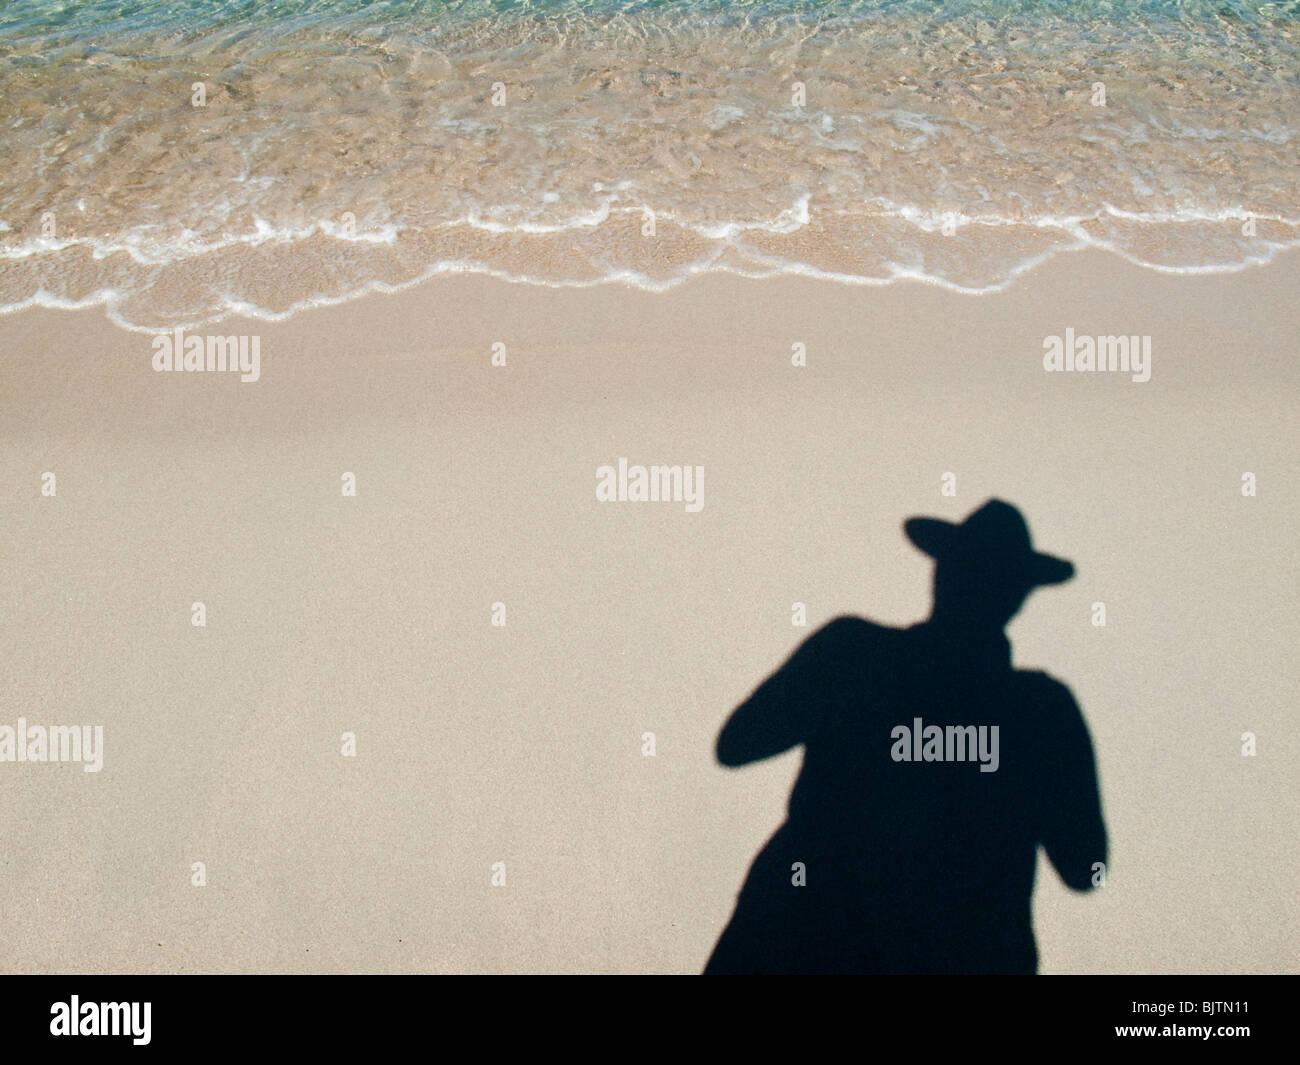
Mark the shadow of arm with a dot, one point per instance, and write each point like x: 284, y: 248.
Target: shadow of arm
x: 1074, y: 832
x: 778, y: 714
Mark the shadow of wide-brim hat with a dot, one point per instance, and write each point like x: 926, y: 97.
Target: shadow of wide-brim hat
x: 994, y: 535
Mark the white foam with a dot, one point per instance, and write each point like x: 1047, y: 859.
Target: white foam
x: 188, y: 245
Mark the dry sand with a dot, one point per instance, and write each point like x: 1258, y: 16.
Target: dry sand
x: 476, y: 484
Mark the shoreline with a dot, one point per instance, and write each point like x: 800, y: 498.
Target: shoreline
x: 667, y: 265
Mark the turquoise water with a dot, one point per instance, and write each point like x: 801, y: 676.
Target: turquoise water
x: 48, y: 23
x: 177, y: 162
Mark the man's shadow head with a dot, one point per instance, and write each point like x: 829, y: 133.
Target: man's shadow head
x: 985, y: 567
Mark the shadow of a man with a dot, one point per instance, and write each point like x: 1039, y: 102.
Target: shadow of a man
x: 932, y: 773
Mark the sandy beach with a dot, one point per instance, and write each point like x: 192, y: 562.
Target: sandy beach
x: 479, y: 743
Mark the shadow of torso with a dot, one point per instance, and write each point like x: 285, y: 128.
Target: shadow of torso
x: 906, y: 864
